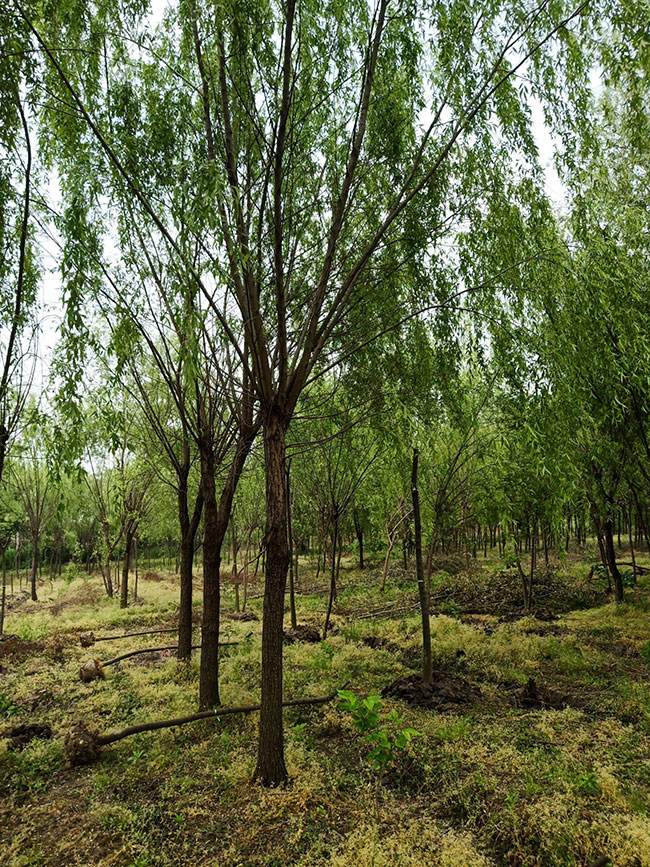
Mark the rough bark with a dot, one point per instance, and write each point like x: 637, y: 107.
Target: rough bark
x: 610, y: 553
x: 427, y: 672
x: 271, y: 769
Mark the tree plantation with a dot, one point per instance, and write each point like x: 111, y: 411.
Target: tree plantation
x: 325, y: 433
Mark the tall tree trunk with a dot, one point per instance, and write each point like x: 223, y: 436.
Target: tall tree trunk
x: 292, y: 590
x: 108, y: 583
x: 427, y: 672
x: 359, y: 531
x: 4, y: 591
x: 215, y: 528
x: 629, y: 530
x: 214, y: 534
x: 34, y: 568
x: 271, y: 769
x: 332, y: 594
x: 185, y: 609
x: 128, y: 544
x: 611, y: 558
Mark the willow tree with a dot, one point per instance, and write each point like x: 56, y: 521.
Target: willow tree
x: 18, y: 261
x: 330, y: 151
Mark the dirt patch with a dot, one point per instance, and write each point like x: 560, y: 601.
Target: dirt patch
x: 376, y: 642
x: 302, y: 632
x: 88, y: 594
x: 456, y: 564
x: 153, y: 576
x: 535, y: 696
x: 20, y: 736
x: 446, y: 692
x: 14, y: 645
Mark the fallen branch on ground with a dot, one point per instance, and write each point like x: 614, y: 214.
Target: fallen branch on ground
x: 83, y: 746
x: 87, y: 639
x: 94, y: 668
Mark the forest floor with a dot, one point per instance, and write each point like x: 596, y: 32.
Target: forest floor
x: 556, y: 775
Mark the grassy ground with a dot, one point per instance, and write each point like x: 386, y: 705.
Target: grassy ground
x: 488, y: 783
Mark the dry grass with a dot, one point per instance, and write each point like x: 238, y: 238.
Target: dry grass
x: 488, y: 785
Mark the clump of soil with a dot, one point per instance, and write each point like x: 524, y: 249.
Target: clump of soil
x: 20, y: 736
x: 444, y: 694
x: 244, y: 616
x: 153, y: 576
x: 80, y: 745
x: 91, y: 670
x: 376, y: 642
x: 302, y: 632
x: 532, y: 695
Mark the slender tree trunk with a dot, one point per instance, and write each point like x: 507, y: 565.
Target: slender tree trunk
x: 214, y: 534
x: 124, y: 591
x: 271, y: 769
x: 215, y: 528
x: 185, y: 609
x: 332, y: 594
x: 34, y: 568
x: 4, y: 591
x: 359, y: 531
x: 292, y: 591
x: 611, y: 559
x: 629, y: 530
x: 135, y: 555
x: 427, y: 672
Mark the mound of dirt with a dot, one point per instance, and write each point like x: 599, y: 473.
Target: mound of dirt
x: 15, y: 645
x: 152, y: 576
x: 88, y: 594
x: 376, y: 642
x: 455, y: 564
x: 244, y: 616
x: 445, y: 694
x: 302, y: 632
x: 532, y: 695
x: 20, y: 736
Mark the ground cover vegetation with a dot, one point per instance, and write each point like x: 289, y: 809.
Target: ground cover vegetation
x: 325, y: 523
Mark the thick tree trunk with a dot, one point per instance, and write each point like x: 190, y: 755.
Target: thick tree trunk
x: 427, y: 672
x: 271, y: 769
